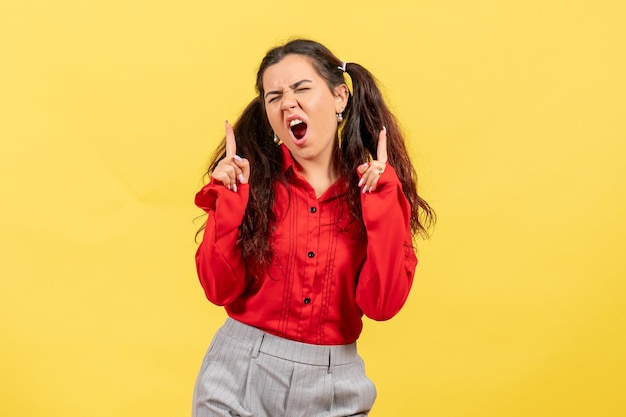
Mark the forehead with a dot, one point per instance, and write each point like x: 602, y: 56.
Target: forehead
x: 288, y: 71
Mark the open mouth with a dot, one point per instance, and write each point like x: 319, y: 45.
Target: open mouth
x: 298, y: 128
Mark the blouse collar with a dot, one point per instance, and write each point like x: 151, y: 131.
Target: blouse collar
x: 338, y: 188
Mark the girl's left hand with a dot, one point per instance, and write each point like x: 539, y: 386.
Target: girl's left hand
x: 371, y: 171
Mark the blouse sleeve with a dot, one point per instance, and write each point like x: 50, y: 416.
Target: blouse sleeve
x: 219, y: 261
x: 387, y: 274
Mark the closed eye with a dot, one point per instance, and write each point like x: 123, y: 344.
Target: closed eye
x: 296, y: 88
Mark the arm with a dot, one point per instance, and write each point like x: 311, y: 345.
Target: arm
x: 387, y: 274
x: 219, y: 261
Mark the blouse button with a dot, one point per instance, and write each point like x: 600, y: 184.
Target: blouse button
x: 311, y: 254
x: 312, y: 209
x: 307, y: 300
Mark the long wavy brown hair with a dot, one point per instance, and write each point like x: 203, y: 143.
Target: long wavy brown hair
x: 364, y: 116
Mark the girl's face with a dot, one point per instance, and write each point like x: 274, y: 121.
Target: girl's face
x: 302, y: 109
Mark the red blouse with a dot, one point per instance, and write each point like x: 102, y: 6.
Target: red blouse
x: 324, y: 276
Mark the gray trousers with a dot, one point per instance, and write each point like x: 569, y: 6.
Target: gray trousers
x: 247, y: 372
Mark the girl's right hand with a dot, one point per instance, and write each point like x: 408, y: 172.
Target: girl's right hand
x: 232, y: 168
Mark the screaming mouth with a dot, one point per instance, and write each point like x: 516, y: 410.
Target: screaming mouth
x: 298, y: 128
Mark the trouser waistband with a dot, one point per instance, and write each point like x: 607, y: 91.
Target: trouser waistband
x: 263, y: 342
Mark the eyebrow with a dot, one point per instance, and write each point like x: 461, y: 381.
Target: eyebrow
x: 292, y: 86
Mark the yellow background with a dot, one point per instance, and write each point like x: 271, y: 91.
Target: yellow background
x: 516, y: 116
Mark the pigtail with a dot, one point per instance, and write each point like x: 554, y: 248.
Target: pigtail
x: 365, y: 116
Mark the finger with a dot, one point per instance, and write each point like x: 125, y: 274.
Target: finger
x: 226, y: 178
x: 231, y: 144
x: 226, y: 174
x: 244, y: 169
x: 366, y: 181
x: 381, y: 151
x: 238, y: 172
x: 373, y: 185
x: 370, y: 183
x: 365, y: 171
x: 369, y: 179
x: 222, y: 178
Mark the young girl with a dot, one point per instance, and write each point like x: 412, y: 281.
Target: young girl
x: 312, y: 210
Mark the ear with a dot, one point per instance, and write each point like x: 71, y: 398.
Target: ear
x: 341, y: 98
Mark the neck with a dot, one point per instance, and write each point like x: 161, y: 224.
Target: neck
x: 321, y: 175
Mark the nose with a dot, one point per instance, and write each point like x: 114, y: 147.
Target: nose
x: 288, y: 101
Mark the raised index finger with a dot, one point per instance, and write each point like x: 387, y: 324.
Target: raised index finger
x: 381, y: 151
x: 231, y: 144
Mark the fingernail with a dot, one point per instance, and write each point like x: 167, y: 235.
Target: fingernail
x: 238, y: 158
x: 235, y: 187
x: 228, y: 186
x: 361, y: 181
x: 385, y: 129
x: 364, y: 189
x: 241, y: 178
